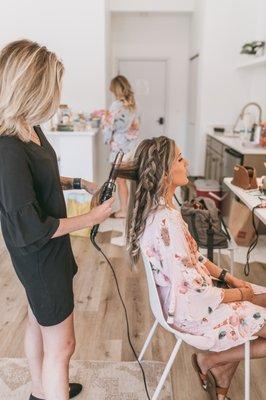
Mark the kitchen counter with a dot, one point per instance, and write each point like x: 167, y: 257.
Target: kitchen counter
x: 235, y: 143
x: 248, y: 198
x: 66, y: 134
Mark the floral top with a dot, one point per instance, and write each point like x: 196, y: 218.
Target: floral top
x: 189, y: 299
x: 120, y: 128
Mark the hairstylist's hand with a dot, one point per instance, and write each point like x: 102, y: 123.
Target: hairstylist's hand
x: 101, y: 212
x: 90, y: 187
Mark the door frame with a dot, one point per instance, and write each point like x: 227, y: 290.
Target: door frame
x: 151, y: 59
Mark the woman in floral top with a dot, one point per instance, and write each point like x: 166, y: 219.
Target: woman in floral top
x: 191, y: 303
x: 121, y: 130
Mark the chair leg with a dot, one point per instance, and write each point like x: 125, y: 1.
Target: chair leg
x: 167, y: 369
x: 247, y: 370
x: 146, y: 344
x: 232, y: 261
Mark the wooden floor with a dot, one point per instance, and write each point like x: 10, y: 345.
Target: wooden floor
x: 99, y: 320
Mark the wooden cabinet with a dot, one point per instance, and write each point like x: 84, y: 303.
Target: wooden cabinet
x: 214, y: 160
x: 221, y: 159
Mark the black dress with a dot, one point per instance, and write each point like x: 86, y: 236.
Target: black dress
x: 31, y: 204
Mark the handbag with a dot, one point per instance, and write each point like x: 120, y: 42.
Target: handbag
x: 245, y: 177
x: 205, y: 224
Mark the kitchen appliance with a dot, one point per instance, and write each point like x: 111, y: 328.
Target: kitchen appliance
x: 231, y: 158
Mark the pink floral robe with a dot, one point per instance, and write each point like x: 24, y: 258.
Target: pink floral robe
x: 189, y: 299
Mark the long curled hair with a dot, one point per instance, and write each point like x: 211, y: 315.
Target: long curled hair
x: 149, y: 173
x: 122, y: 90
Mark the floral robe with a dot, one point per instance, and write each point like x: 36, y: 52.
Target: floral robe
x: 189, y: 299
x: 120, y: 129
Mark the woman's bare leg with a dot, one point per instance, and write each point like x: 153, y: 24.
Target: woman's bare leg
x: 224, y: 374
x: 123, y: 197
x: 59, y: 345
x: 221, y: 364
x: 34, y: 353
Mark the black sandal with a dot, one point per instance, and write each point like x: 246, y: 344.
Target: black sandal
x: 74, y: 390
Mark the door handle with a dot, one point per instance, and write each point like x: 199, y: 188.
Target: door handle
x: 233, y: 152
x: 160, y: 121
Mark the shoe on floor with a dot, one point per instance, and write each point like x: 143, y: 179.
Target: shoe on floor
x: 74, y: 390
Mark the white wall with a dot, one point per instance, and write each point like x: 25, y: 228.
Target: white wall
x: 258, y: 75
x: 75, y: 31
x: 158, y: 36
x: 196, y: 28
x: 223, y: 89
x: 153, y: 5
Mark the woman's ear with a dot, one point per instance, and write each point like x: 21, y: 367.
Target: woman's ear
x: 166, y: 179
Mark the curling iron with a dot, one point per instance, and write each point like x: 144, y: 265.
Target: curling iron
x: 108, y: 188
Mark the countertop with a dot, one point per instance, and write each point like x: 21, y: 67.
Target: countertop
x: 248, y: 197
x: 235, y: 143
x: 91, y: 132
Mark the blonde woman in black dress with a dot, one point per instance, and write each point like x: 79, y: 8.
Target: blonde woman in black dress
x: 33, y: 214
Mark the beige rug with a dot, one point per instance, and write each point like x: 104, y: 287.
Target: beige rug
x: 101, y: 380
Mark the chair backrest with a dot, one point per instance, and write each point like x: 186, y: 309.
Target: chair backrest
x: 155, y: 302
x: 201, y: 342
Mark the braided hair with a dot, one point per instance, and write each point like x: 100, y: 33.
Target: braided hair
x: 151, y: 165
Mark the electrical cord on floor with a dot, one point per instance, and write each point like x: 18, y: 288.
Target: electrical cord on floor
x: 125, y: 310
x: 253, y: 243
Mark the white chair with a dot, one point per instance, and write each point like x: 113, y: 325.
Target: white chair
x: 204, y: 342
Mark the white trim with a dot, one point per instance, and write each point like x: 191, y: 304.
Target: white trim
x: 159, y: 6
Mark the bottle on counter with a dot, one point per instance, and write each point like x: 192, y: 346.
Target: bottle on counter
x: 263, y: 134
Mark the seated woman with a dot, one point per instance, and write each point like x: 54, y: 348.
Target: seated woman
x: 191, y: 303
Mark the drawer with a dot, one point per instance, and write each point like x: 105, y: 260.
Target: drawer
x: 217, y: 146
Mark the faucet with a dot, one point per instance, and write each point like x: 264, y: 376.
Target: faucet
x: 241, y: 115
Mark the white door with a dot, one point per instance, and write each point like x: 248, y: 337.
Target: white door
x: 148, y: 80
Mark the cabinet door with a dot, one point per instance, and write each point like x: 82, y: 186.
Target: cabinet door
x: 208, y: 163
x: 76, y: 157
x: 219, y: 169
x: 213, y: 167
x: 217, y: 146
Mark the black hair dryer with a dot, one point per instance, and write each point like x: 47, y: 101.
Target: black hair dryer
x: 108, y: 188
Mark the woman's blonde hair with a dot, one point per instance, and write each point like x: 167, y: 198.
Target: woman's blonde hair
x: 122, y: 90
x: 149, y: 173
x: 30, y: 87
